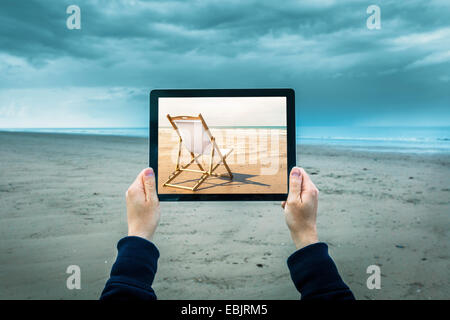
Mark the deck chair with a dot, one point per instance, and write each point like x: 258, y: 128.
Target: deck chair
x: 195, y: 136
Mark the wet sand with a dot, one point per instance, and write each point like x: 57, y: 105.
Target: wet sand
x: 62, y: 203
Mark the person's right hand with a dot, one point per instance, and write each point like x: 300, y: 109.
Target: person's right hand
x: 143, y: 205
x: 300, y: 208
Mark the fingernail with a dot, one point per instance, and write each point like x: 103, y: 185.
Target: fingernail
x: 149, y: 172
x: 296, y: 172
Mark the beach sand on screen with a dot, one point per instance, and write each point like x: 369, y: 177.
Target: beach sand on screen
x: 258, y: 162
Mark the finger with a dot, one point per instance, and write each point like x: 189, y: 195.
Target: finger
x: 309, y: 189
x: 138, y: 183
x: 295, y: 184
x: 148, y: 179
x: 137, y: 187
x: 307, y: 182
x: 283, y: 204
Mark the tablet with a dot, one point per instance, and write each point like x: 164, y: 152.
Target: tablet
x: 222, y: 144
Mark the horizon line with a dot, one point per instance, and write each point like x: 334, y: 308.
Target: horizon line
x: 298, y: 125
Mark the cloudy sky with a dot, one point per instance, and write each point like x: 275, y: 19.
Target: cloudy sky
x: 342, y: 72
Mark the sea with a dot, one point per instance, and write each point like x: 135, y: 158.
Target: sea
x: 424, y: 140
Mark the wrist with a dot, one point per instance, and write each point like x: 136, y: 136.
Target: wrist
x: 140, y: 234
x: 303, y: 239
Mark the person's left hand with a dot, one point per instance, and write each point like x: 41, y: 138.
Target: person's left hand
x: 143, y: 205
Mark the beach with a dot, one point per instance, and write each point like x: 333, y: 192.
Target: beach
x: 258, y: 162
x: 62, y: 203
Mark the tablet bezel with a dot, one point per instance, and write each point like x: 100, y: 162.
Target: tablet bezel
x: 187, y: 93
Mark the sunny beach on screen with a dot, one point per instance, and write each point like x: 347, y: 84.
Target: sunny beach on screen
x: 251, y: 129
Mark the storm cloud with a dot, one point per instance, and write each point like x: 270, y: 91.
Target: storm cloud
x: 343, y: 73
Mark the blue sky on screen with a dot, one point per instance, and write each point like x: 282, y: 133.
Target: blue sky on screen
x: 344, y: 74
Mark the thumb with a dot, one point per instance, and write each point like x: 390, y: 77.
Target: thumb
x: 295, y: 184
x: 149, y: 184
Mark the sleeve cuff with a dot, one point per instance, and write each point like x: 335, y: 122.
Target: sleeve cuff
x: 136, y: 262
x: 313, y: 271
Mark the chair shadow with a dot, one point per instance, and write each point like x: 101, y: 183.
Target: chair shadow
x: 238, y: 180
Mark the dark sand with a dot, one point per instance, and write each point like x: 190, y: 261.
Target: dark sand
x: 62, y: 203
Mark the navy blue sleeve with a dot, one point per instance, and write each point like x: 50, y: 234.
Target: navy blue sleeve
x: 133, y: 272
x: 315, y: 275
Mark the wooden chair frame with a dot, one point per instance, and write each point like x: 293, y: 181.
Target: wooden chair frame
x: 194, y: 158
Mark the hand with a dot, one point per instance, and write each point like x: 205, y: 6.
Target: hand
x: 300, y: 208
x: 143, y: 205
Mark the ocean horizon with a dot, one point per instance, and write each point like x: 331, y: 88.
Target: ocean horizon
x: 376, y: 139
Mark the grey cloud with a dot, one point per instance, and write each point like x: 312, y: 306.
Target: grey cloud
x: 321, y: 48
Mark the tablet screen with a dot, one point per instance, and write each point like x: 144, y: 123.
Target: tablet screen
x: 222, y: 145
